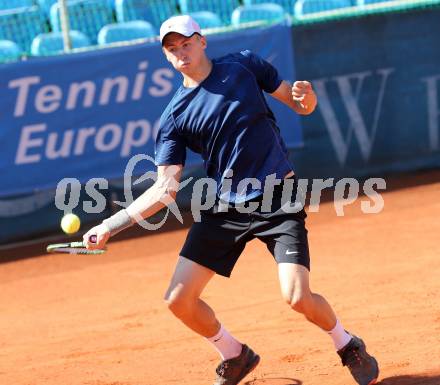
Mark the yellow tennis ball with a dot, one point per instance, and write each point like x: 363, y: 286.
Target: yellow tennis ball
x: 70, y: 223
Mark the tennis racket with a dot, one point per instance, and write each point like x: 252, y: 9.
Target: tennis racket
x: 73, y: 248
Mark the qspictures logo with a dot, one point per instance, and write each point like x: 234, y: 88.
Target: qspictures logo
x: 205, y: 193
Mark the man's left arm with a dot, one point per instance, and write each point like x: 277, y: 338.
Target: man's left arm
x: 300, y: 97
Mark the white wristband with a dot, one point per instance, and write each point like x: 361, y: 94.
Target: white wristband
x: 118, y: 222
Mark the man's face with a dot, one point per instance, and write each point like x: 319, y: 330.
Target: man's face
x: 184, y: 53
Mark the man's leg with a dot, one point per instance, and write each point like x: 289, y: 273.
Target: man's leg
x: 183, y: 299
x: 294, y: 281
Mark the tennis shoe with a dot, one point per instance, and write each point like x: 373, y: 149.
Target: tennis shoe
x: 362, y: 366
x: 233, y: 370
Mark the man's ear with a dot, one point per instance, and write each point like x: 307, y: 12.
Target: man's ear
x: 203, y: 41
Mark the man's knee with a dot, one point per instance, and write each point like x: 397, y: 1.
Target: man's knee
x: 179, y: 301
x: 298, y: 301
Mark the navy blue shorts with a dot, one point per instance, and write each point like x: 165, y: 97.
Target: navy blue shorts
x: 217, y: 241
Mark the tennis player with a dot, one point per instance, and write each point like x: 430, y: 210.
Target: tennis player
x: 220, y: 112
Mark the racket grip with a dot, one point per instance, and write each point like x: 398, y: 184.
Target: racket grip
x: 93, y: 239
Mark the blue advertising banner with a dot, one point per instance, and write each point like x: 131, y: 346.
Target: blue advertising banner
x: 84, y: 115
x: 378, y: 84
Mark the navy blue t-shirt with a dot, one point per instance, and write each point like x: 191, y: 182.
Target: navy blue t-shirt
x: 227, y: 120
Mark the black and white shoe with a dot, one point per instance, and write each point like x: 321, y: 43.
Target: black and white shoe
x: 232, y: 371
x: 362, y: 366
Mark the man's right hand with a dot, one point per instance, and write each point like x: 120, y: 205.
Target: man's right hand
x: 100, y: 234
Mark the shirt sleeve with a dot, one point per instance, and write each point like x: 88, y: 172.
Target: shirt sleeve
x: 170, y: 145
x: 266, y: 74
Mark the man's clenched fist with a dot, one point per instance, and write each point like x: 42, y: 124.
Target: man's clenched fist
x: 304, y: 96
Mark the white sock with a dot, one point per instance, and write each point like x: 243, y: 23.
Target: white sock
x: 339, y: 336
x: 226, y: 345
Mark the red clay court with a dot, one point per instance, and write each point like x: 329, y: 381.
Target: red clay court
x: 101, y: 320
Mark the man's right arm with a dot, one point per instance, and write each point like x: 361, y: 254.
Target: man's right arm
x: 159, y: 195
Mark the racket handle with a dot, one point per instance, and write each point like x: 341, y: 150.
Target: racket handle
x: 93, y: 239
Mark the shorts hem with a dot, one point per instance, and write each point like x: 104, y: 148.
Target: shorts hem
x: 204, y: 263
x: 295, y: 262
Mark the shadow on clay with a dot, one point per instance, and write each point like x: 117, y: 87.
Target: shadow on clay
x: 274, y: 381
x: 411, y: 380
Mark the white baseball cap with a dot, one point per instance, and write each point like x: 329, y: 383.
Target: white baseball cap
x: 184, y: 25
